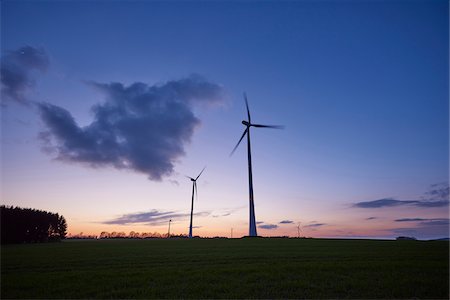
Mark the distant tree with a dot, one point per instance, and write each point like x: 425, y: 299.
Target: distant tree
x: 133, y: 235
x: 105, y: 235
x: 82, y: 236
x: 406, y: 238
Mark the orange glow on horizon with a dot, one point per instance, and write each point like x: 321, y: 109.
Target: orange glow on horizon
x: 290, y: 230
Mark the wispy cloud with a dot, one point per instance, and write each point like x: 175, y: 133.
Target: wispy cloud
x: 409, y: 220
x: 436, y: 222
x: 389, y: 202
x: 140, y: 127
x: 16, y: 68
x: 174, y: 182
x: 315, y: 225
x: 226, y: 212
x: 439, y: 191
x: 153, y: 217
x: 425, y: 221
x: 268, y: 226
x: 437, y: 196
x: 371, y: 218
x: 438, y: 203
x: 286, y: 222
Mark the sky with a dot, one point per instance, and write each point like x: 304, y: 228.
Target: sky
x: 107, y: 106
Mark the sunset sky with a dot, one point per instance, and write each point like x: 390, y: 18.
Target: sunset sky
x: 108, y: 105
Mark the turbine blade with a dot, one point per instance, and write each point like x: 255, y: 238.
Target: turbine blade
x: 235, y: 147
x: 268, y: 126
x: 246, y: 104
x: 189, y: 177
x: 200, y: 173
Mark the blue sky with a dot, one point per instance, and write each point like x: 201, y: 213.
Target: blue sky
x: 361, y: 86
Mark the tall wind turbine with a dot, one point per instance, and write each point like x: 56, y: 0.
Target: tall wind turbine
x: 194, y: 191
x: 248, y: 124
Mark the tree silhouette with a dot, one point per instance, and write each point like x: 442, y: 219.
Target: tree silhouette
x: 62, y: 227
x: 27, y: 225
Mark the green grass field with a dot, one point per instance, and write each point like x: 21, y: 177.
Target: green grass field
x: 221, y: 268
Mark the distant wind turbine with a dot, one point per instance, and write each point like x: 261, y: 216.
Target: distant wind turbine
x: 299, y: 229
x: 168, y: 232
x: 248, y: 124
x: 194, y: 191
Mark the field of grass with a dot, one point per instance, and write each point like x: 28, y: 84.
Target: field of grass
x: 223, y: 268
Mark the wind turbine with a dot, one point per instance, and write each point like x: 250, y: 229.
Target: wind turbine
x: 168, y: 232
x: 299, y: 229
x: 194, y: 190
x: 248, y: 124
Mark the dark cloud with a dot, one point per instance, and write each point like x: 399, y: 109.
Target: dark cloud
x: 153, y: 217
x: 387, y: 202
x: 436, y: 196
x: 315, y: 225
x: 371, y: 218
x: 260, y: 222
x: 16, y: 70
x: 426, y: 222
x: 268, y: 226
x: 139, y: 127
x: 286, y: 222
x: 409, y: 220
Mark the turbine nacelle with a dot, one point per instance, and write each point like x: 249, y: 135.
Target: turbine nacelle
x: 249, y: 124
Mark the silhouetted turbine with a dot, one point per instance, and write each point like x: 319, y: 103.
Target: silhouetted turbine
x: 194, y: 191
x: 299, y: 229
x: 248, y: 124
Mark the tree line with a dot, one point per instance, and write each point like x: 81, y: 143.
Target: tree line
x: 27, y: 225
x: 123, y: 235
x: 137, y: 235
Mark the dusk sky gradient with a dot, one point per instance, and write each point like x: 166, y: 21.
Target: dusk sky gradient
x: 107, y: 105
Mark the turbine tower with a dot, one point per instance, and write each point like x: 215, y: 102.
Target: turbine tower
x: 194, y: 191
x: 248, y: 124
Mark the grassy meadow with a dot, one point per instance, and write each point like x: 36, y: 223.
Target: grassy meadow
x: 226, y: 268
